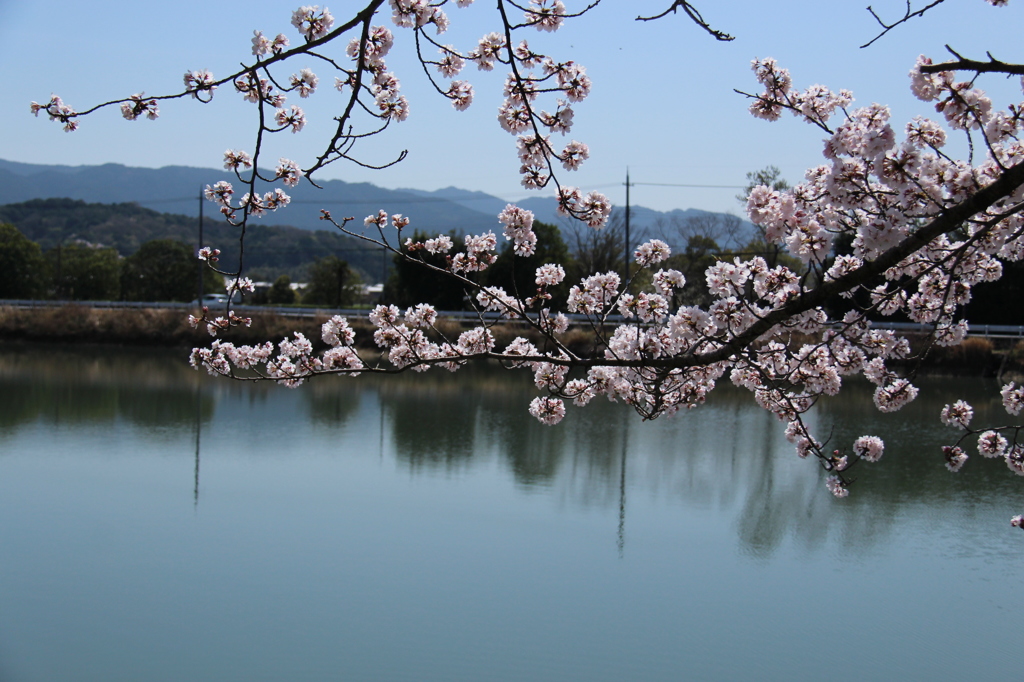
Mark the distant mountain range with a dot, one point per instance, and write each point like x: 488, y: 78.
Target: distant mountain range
x: 176, y: 189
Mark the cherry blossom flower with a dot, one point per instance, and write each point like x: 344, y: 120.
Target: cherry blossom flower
x: 220, y: 193
x: 461, y: 94
x: 546, y: 15
x: 548, y: 411
x: 293, y: 117
x: 869, y: 448
x: 289, y: 172
x: 139, y: 106
x: 1015, y: 459
x: 955, y: 457
x: 336, y: 332
x: 550, y: 274
x: 836, y: 486
x: 958, y: 414
x: 239, y: 284
x: 1013, y: 398
x: 311, y: 22
x: 200, y: 83
x: 488, y: 51
x: 991, y: 444
x: 450, y: 64
x: 305, y: 82
x: 652, y: 252
x: 574, y: 154
x: 58, y: 111
x: 233, y: 160
x: 439, y: 244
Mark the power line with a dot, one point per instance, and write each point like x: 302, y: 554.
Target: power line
x: 669, y: 184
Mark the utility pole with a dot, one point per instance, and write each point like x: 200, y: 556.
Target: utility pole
x: 383, y: 266
x: 202, y: 264
x: 625, y: 262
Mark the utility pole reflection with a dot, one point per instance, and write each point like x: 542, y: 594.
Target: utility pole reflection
x: 199, y: 430
x: 622, y: 488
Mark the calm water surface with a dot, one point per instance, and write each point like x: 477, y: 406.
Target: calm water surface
x: 156, y: 524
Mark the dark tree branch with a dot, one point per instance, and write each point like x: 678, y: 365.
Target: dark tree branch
x: 993, y: 65
x: 910, y: 14
x: 694, y: 15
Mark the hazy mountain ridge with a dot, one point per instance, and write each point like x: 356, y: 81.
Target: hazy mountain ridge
x: 176, y: 189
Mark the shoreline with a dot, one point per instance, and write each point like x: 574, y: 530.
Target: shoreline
x: 168, y: 327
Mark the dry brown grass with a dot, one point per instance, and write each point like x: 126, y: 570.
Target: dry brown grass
x: 98, y: 325
x: 169, y: 327
x: 975, y: 356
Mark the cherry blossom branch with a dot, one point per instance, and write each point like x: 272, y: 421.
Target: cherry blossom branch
x: 920, y: 230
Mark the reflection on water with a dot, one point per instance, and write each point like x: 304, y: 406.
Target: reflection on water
x: 726, y: 455
x: 374, y: 515
x: 92, y: 385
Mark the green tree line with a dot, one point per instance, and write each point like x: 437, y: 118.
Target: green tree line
x: 160, y: 270
x: 270, y: 250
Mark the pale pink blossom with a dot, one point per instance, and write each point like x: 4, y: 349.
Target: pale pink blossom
x: 991, y: 444
x: 461, y: 94
x: 233, y: 160
x: 547, y: 410
x: 651, y: 252
x: 292, y: 117
x: 311, y: 22
x: 140, y: 106
x: 958, y: 414
x: 836, y: 486
x: 289, y: 172
x: 1015, y: 459
x: 305, y: 82
x: 869, y: 448
x: 549, y: 275
x: 546, y: 15
x: 955, y: 458
x: 1013, y: 398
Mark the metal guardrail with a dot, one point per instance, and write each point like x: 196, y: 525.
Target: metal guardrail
x: 992, y: 330
x: 288, y: 311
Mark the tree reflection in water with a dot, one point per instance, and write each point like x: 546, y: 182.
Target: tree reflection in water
x: 727, y: 456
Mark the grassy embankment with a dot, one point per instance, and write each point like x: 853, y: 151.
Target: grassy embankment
x: 169, y: 327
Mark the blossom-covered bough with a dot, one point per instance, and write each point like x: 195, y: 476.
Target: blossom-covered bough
x: 892, y: 216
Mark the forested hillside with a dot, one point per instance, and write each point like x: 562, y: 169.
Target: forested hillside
x: 270, y: 250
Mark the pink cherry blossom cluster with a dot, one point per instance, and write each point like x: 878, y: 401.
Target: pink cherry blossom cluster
x: 262, y: 46
x: 57, y: 111
x: 140, y: 106
x: 992, y: 442
x: 250, y: 204
x: 200, y: 84
x: 312, y: 22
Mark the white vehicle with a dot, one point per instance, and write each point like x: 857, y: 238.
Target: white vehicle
x: 211, y: 300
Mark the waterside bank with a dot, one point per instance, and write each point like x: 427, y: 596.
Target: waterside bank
x: 169, y: 327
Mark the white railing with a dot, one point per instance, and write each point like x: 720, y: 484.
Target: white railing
x: 992, y: 330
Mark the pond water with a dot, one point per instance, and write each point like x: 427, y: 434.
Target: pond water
x: 157, y: 524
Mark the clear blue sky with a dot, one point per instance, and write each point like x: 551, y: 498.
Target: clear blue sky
x: 663, y: 101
